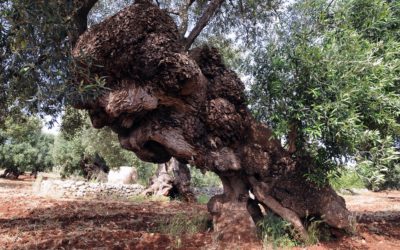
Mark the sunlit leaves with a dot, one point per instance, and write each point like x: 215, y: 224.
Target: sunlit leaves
x: 378, y: 163
x: 328, y: 70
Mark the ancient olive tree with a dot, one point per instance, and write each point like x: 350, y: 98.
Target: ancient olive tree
x: 165, y: 99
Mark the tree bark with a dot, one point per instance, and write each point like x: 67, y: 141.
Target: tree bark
x: 164, y: 102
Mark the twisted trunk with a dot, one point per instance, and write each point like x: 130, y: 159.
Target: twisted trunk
x: 172, y: 179
x: 11, y: 173
x: 164, y: 101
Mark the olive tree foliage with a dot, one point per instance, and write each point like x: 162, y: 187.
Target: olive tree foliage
x: 24, y: 147
x: 327, y: 81
x: 33, y: 56
x: 379, y: 166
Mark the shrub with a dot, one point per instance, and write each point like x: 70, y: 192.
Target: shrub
x: 346, y: 179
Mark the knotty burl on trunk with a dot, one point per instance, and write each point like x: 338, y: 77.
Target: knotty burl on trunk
x: 164, y: 101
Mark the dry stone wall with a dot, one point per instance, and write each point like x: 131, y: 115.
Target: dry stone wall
x: 72, y: 189
x: 76, y: 189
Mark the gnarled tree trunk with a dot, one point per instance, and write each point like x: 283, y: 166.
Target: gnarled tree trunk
x: 172, y: 179
x: 11, y: 173
x: 164, y: 101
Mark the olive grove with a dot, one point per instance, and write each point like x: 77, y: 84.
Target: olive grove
x: 322, y: 80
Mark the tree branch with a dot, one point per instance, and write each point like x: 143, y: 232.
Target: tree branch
x: 184, y: 16
x: 212, y: 8
x: 79, y: 18
x: 292, y: 137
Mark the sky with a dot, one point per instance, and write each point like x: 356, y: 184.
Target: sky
x: 55, y: 129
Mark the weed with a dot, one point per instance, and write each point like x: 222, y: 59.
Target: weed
x: 183, y: 224
x: 36, y: 185
x: 353, y: 224
x: 313, y: 233
x: 316, y: 231
x: 139, y: 198
x: 276, y: 232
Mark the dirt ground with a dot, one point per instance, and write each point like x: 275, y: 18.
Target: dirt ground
x: 28, y: 221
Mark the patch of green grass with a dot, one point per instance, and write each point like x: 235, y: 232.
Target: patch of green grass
x: 276, y: 232
x: 346, y: 179
x: 183, y: 223
x: 203, y: 199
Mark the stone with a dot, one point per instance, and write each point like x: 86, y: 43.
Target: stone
x: 124, y: 175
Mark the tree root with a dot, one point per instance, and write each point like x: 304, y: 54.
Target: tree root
x: 270, y: 202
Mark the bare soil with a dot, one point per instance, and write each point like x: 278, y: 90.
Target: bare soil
x: 28, y: 221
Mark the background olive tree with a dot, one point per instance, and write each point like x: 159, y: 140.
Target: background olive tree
x: 24, y: 147
x: 78, y: 140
